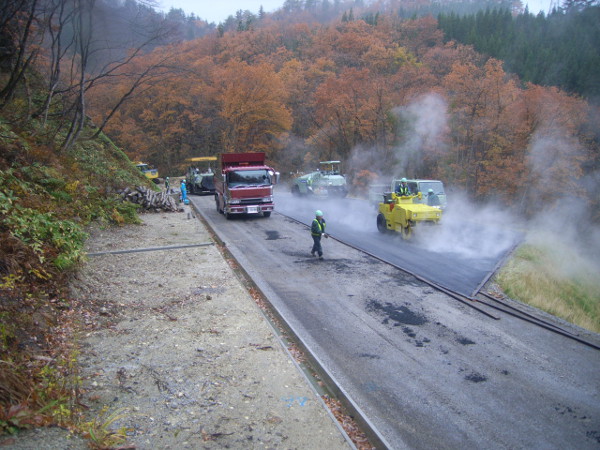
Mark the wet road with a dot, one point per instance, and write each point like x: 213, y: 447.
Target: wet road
x: 458, y: 255
x: 427, y: 371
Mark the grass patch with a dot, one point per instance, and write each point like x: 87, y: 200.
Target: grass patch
x: 100, y: 431
x: 557, y: 279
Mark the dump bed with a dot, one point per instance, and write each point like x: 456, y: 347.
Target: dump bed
x: 242, y: 159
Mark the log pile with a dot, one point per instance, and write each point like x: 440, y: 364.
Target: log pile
x: 150, y: 200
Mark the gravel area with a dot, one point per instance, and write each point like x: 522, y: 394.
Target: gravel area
x: 180, y: 352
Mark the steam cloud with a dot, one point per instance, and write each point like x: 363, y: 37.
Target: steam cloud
x: 475, y: 230
x: 566, y: 217
x: 424, y: 126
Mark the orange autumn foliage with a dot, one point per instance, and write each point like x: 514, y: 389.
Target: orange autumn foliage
x: 305, y: 92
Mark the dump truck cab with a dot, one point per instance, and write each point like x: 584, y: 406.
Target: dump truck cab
x: 244, y: 185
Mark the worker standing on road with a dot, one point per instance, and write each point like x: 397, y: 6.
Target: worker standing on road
x: 432, y: 198
x: 403, y: 189
x: 317, y: 229
x: 183, y: 192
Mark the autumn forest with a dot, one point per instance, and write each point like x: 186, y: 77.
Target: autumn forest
x: 499, y: 104
x: 386, y: 92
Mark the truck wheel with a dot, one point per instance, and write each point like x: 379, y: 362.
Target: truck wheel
x: 295, y: 190
x: 219, y: 210
x: 381, y: 224
x: 227, y: 215
x: 267, y: 213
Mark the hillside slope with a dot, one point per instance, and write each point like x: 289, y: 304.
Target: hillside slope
x: 47, y: 198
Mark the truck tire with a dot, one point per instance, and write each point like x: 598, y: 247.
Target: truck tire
x: 295, y: 190
x: 267, y: 213
x: 219, y: 210
x: 381, y: 223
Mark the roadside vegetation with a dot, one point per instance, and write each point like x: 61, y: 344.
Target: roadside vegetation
x: 555, y: 278
x: 47, y: 198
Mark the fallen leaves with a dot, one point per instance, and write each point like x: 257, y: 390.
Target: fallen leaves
x: 348, y: 424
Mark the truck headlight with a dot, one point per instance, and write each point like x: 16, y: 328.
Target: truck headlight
x: 414, y: 215
x: 267, y: 199
x: 234, y: 201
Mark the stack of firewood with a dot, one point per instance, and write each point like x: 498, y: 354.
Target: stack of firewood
x: 150, y: 200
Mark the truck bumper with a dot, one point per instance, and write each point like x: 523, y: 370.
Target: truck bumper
x: 249, y: 209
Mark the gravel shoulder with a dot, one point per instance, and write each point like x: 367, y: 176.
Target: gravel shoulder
x: 180, y: 352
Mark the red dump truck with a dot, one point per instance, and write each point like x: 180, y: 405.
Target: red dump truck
x: 244, y: 185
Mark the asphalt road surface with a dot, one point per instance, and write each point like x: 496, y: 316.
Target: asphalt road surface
x: 458, y: 255
x: 425, y: 370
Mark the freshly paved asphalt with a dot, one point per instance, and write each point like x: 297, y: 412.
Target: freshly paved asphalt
x: 425, y: 370
x: 458, y: 255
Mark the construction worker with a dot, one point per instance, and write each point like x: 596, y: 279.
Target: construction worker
x: 432, y: 198
x: 184, y: 192
x: 317, y: 229
x: 402, y: 189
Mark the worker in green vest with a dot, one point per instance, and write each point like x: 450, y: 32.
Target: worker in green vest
x: 402, y: 190
x: 317, y: 229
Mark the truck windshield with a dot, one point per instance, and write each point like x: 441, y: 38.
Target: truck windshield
x: 248, y: 178
x: 438, y: 187
x: 330, y: 170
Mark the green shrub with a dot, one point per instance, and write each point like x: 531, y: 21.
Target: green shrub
x: 39, y: 230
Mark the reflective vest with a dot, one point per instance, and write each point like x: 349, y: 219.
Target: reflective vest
x: 317, y: 228
x: 403, y: 190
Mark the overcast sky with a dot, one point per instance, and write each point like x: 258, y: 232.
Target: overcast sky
x: 218, y: 10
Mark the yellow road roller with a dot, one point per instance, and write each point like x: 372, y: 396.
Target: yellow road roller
x: 404, y: 213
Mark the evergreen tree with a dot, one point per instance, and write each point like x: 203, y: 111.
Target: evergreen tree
x: 562, y: 49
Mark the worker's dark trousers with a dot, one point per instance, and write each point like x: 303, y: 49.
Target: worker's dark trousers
x: 317, y: 245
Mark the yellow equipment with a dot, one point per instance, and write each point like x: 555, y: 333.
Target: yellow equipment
x: 403, y: 213
x: 202, y: 159
x: 148, y: 170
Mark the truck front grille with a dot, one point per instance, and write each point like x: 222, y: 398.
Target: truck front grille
x: 252, y: 201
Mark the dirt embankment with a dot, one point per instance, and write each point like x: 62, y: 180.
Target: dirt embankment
x: 179, y: 352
